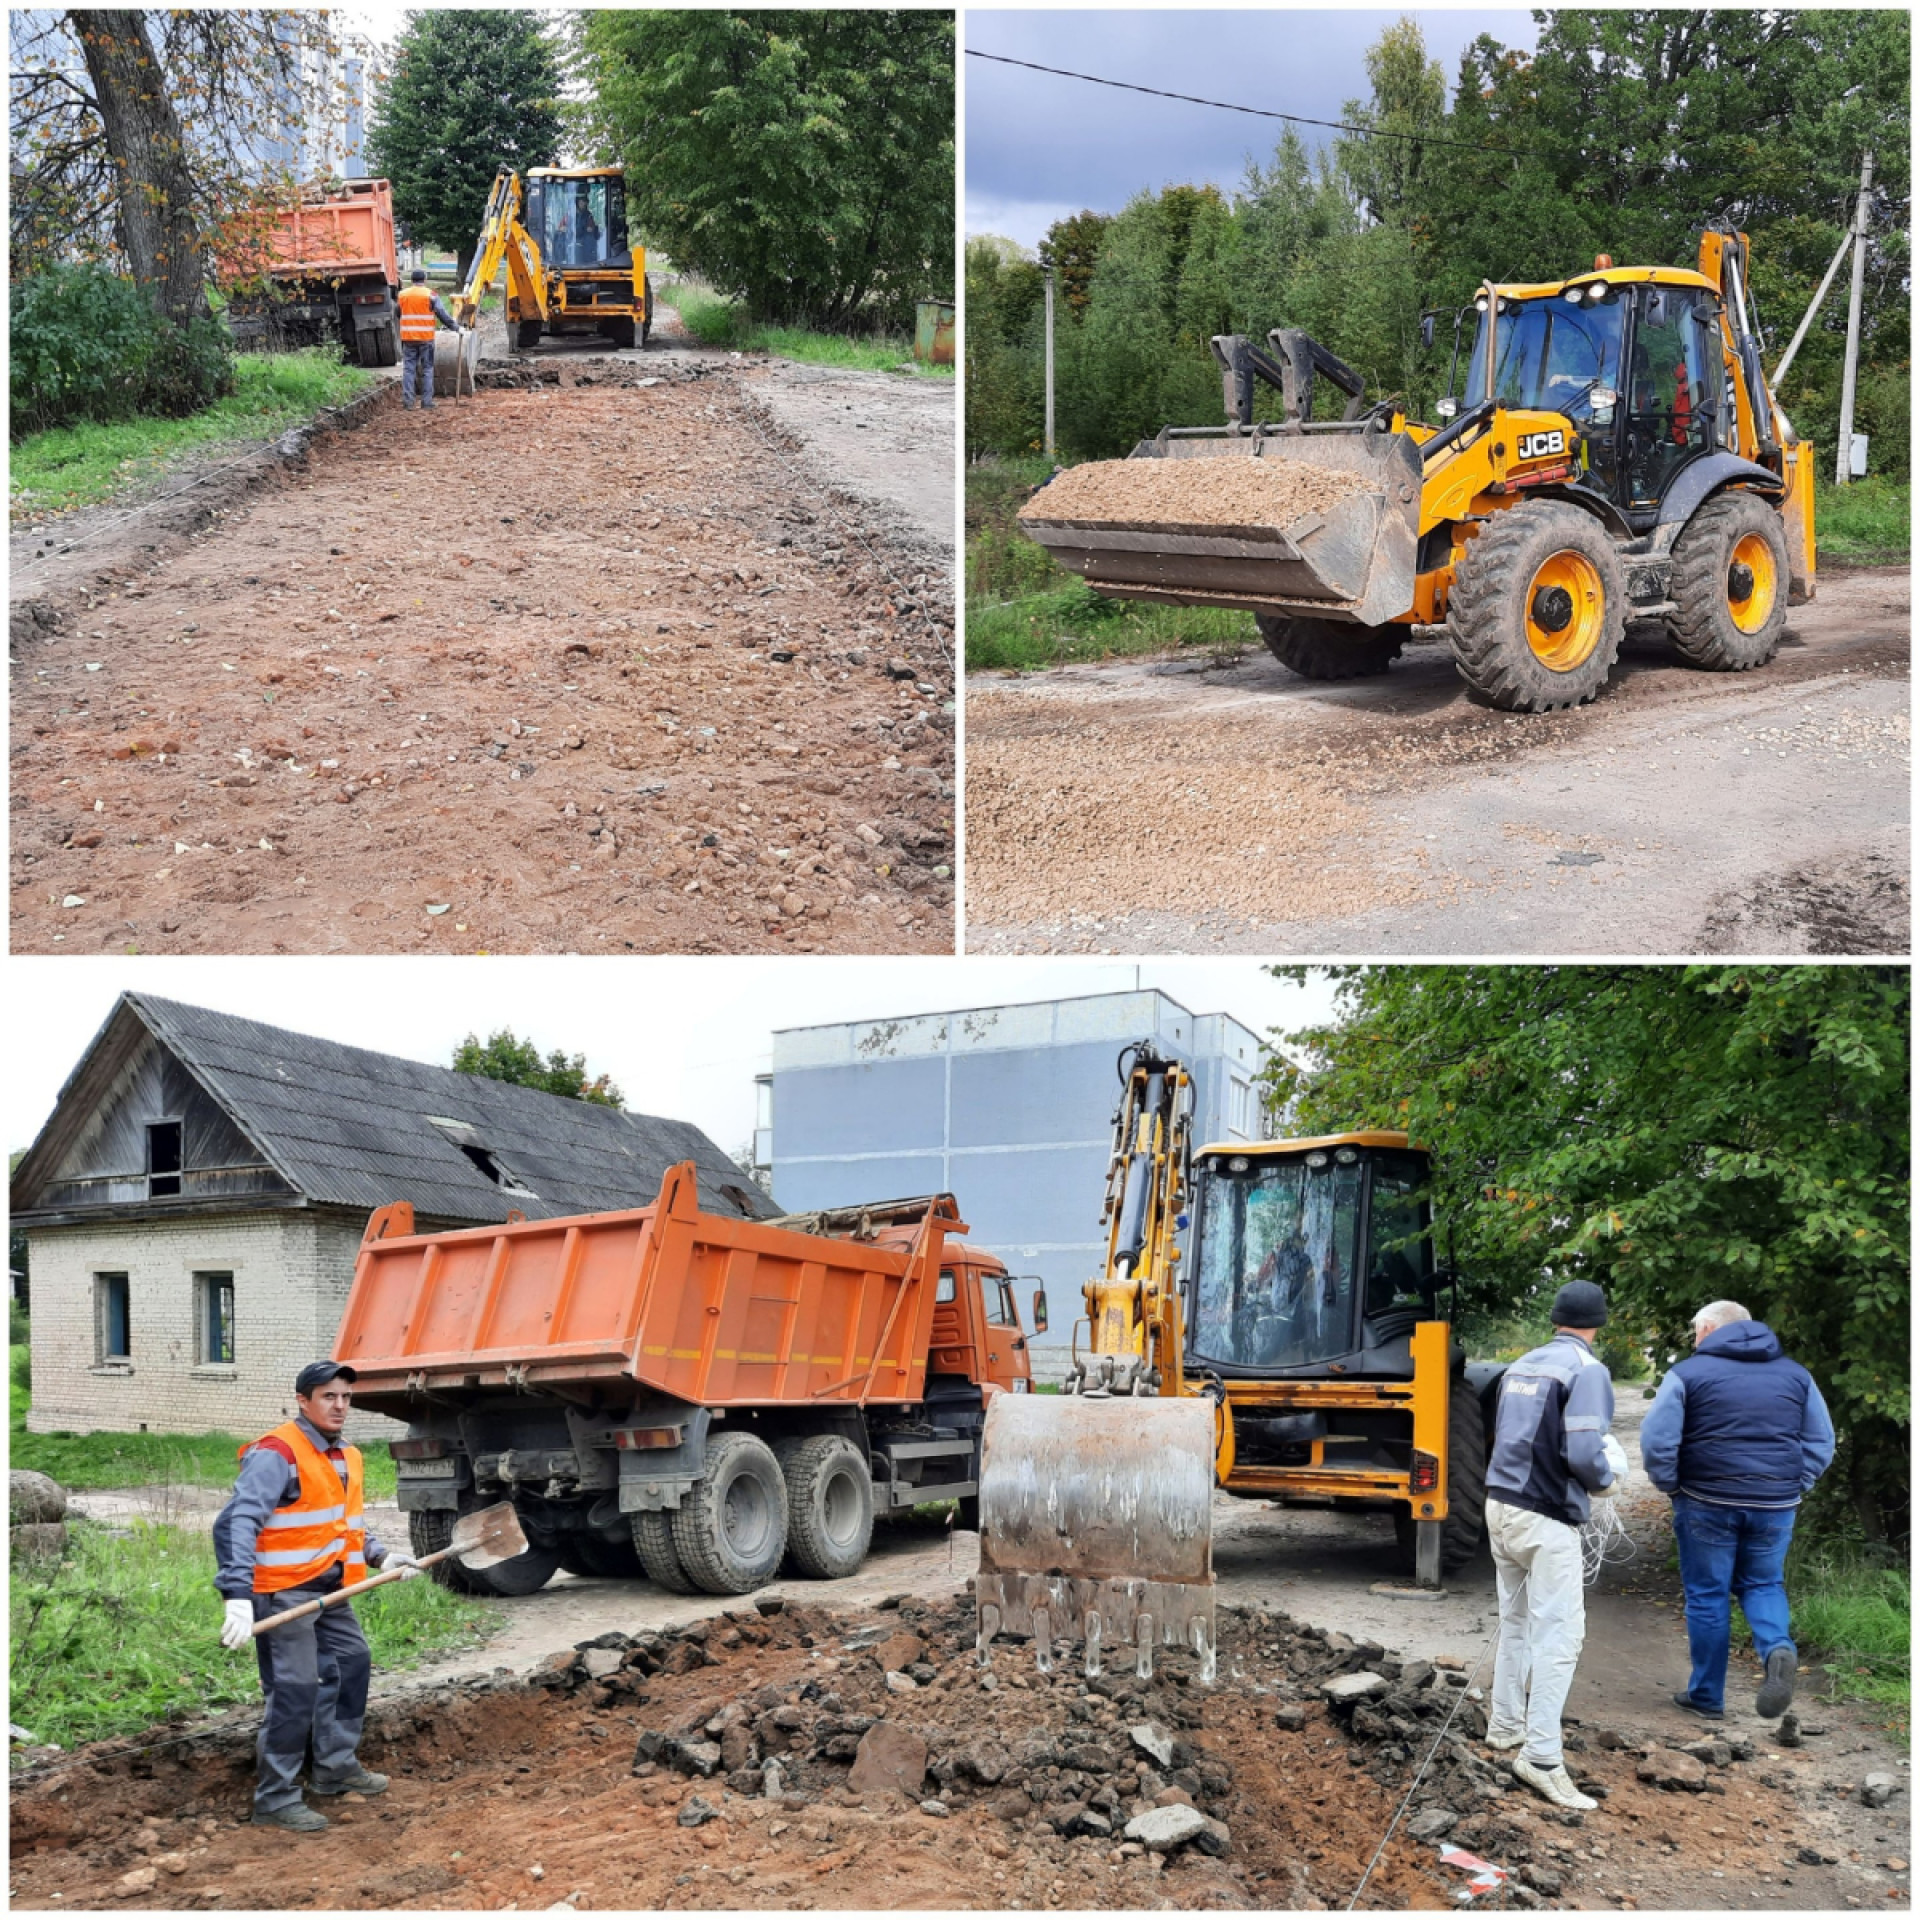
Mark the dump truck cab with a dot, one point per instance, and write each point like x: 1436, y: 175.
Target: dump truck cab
x: 976, y: 1322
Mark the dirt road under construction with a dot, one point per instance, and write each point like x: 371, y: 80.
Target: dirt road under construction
x: 1229, y: 806
x: 630, y: 652
x: 610, y: 1750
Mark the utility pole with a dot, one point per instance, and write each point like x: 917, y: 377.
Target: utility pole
x: 1844, y: 466
x: 1049, y: 361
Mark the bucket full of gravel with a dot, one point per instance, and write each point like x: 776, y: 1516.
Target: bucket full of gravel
x: 1282, y: 523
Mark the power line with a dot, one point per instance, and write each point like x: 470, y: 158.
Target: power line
x: 1230, y: 106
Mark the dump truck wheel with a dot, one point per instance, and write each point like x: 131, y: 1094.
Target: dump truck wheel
x: 1538, y: 608
x: 1729, y: 584
x: 731, y: 1530
x: 1466, y: 1522
x: 594, y: 1557
x: 659, y: 1557
x: 430, y: 1530
x: 525, y: 1573
x: 1326, y: 650
x: 377, y: 347
x: 829, y: 1506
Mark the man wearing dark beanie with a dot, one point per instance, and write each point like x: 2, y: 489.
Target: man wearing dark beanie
x: 1550, y: 1451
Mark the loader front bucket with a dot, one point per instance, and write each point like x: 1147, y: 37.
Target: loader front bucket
x: 1096, y: 1526
x: 1316, y: 522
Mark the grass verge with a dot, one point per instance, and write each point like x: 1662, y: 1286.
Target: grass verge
x: 121, y: 1634
x: 1023, y: 612
x: 80, y: 1461
x: 715, y: 322
x: 1868, y: 523
x: 68, y: 467
x: 1855, y: 1618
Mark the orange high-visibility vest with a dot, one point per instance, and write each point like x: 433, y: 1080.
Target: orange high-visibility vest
x: 416, y: 314
x: 324, y: 1523
x: 1682, y: 406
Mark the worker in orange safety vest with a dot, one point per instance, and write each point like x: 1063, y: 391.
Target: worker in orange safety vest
x: 420, y: 308
x: 294, y: 1530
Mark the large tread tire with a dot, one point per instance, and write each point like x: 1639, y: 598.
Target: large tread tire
x: 659, y: 1557
x: 730, y: 1530
x: 829, y: 1506
x: 611, y: 1559
x: 1466, y: 1523
x: 526, y: 336
x: 525, y: 1573
x: 430, y: 1530
x: 1327, y: 650
x: 1703, y: 627
x: 622, y: 335
x: 1487, y: 607
x: 573, y: 1559
x: 379, y: 347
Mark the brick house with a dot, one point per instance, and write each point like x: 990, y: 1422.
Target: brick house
x: 195, y: 1202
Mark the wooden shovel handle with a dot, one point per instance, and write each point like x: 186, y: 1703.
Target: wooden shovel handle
x: 345, y: 1593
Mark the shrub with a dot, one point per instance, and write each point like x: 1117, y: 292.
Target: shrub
x: 87, y: 345
x: 17, y: 1324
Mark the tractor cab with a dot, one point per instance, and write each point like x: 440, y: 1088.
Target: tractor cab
x: 578, y: 217
x: 1632, y: 358
x: 1309, y: 1257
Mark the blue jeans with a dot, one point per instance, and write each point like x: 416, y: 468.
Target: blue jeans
x: 1726, y: 1551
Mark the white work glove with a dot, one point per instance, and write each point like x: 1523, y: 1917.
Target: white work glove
x: 1615, y: 1456
x: 237, y: 1629
x: 400, y: 1562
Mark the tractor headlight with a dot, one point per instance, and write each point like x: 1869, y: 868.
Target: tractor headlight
x: 1238, y: 1164
x: 1574, y: 295
x: 1316, y: 1161
x: 1480, y: 304
x: 1345, y: 1157
x: 1596, y: 293
x: 1446, y: 409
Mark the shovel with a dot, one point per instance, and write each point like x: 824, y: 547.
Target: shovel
x: 482, y: 1539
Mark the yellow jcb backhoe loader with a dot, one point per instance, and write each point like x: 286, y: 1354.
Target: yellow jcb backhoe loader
x: 1616, y: 455
x: 1297, y: 1352
x: 562, y: 236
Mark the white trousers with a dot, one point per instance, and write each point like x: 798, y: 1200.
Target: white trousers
x: 1543, y: 1623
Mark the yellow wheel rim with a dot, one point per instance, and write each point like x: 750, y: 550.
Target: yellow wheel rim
x: 1566, y: 606
x: 1752, y: 582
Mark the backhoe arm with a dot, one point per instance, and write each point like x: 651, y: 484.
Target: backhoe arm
x: 503, y: 238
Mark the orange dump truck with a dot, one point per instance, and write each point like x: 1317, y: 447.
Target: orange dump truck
x: 698, y: 1397
x: 324, y: 268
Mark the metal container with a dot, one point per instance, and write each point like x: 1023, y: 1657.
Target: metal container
x: 933, y: 333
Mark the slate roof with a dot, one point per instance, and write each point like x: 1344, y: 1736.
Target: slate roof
x: 349, y: 1127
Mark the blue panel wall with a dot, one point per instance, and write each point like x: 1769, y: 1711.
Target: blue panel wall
x: 879, y: 1107
x: 1012, y: 1097
x: 1042, y: 1195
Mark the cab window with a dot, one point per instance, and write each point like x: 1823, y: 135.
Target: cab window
x: 998, y: 1295
x: 943, y: 1293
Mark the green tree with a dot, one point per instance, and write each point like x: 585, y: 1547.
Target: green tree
x: 504, y: 1056
x: 469, y: 93
x: 1679, y: 1134
x: 1071, y: 249
x: 801, y: 160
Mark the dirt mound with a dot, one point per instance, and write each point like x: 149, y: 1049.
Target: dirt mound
x: 1226, y: 490
x: 797, y: 1757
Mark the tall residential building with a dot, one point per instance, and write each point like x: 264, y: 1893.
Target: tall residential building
x: 1008, y: 1108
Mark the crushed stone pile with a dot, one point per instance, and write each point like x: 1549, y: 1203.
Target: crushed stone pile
x: 1226, y: 490
x: 784, y: 1756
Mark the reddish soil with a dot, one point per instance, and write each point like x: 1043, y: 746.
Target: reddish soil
x: 581, y: 667
x: 499, y: 1778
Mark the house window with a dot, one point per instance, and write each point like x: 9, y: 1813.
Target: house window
x: 112, y: 1318
x: 1240, y: 1108
x: 213, y: 1313
x: 163, y: 1159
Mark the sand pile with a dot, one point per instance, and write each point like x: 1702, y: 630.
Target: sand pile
x: 1227, y: 490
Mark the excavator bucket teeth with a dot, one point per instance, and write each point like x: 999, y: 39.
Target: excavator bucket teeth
x: 1318, y: 524
x: 1096, y: 1520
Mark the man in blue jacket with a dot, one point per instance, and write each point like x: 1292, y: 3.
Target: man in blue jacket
x: 1736, y: 1434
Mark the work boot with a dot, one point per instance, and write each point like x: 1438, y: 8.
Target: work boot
x: 1505, y: 1739
x: 296, y: 1818
x: 1776, y: 1690
x: 1554, y: 1784
x: 359, y: 1781
x: 1687, y: 1705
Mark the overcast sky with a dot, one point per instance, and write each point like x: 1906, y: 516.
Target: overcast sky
x: 1040, y: 147
x: 682, y: 1037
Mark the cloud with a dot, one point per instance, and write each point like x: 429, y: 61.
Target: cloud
x: 1036, y: 142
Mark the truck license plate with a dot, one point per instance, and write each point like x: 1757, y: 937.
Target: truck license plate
x: 428, y: 1469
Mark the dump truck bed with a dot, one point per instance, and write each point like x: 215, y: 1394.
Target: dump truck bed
x: 716, y: 1310
x: 348, y: 236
